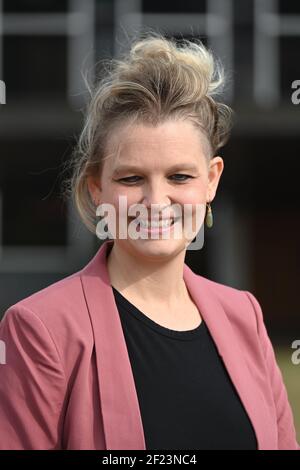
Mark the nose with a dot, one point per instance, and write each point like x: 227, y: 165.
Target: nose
x: 155, y: 196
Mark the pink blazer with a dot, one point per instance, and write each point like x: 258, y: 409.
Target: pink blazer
x: 67, y: 381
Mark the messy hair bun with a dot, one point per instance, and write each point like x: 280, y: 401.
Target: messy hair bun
x: 155, y: 81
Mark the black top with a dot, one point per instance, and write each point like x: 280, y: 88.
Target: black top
x: 186, y: 397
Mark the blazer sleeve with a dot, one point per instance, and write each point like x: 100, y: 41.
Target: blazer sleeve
x: 32, y: 384
x: 285, y: 424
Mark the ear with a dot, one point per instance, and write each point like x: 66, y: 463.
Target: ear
x: 94, y: 189
x: 216, y: 166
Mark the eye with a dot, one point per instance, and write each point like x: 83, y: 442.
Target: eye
x: 184, y: 176
x: 128, y: 179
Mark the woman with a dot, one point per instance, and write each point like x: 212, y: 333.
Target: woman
x: 135, y: 350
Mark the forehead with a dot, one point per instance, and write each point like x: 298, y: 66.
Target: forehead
x: 169, y: 144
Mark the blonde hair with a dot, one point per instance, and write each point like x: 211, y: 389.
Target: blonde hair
x: 155, y: 81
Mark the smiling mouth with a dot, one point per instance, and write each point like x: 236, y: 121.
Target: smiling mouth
x: 161, y: 224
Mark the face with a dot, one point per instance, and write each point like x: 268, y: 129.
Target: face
x: 162, y: 167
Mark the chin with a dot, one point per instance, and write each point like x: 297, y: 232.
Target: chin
x: 152, y: 248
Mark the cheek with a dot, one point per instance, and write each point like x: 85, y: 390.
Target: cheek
x: 113, y: 193
x: 192, y: 194
x: 122, y: 200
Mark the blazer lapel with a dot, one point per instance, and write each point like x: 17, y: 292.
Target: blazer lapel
x: 231, y: 352
x: 119, y: 402
x: 121, y: 415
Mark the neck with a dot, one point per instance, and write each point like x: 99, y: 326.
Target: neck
x: 159, y: 281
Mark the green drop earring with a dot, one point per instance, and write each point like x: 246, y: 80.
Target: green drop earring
x: 209, y: 217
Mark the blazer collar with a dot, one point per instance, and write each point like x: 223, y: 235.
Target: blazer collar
x: 121, y: 416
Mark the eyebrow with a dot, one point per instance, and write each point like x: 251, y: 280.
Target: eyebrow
x: 179, y: 166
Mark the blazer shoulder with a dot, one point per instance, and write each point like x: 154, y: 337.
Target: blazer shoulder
x: 238, y: 304
x: 56, y: 302
x: 218, y: 287
x: 223, y: 291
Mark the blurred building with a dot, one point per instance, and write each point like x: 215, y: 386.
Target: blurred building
x: 44, y: 49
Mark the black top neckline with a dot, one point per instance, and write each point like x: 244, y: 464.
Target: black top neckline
x: 139, y: 315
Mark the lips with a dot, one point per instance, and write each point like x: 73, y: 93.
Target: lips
x: 153, y: 218
x: 155, y: 223
x: 165, y: 225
